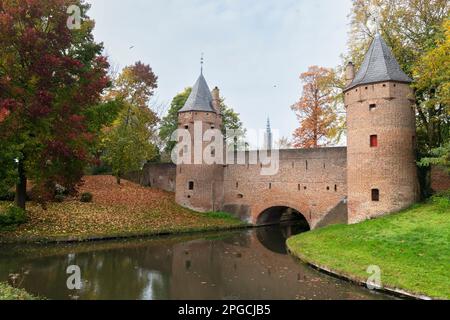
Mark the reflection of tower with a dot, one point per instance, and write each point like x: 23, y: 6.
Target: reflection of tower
x: 268, y: 143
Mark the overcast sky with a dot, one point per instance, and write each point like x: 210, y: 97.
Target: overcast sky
x: 254, y: 50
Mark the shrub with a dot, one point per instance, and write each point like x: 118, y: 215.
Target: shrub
x: 86, y: 197
x: 59, y: 198
x: 60, y: 190
x: 8, y: 196
x: 12, y: 216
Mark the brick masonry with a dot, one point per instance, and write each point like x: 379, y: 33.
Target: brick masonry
x: 440, y: 179
x: 387, y: 111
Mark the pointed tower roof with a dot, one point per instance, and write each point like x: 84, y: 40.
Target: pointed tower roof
x: 200, y: 98
x: 379, y: 65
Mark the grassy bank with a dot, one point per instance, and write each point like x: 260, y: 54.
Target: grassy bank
x: 9, y: 293
x: 412, y: 248
x: 117, y: 211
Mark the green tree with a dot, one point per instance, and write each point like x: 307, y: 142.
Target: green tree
x: 438, y: 156
x: 128, y: 142
x: 170, y: 122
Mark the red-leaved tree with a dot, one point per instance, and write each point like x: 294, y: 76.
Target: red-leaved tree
x: 50, y: 77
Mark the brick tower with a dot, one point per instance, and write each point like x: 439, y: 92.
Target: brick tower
x: 381, y: 173
x: 199, y: 185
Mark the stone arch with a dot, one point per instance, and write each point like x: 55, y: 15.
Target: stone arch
x: 272, y: 214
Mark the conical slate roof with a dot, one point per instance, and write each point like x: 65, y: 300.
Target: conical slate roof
x: 200, y: 98
x: 379, y: 65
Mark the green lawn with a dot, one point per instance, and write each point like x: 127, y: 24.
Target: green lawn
x: 9, y: 293
x: 412, y: 248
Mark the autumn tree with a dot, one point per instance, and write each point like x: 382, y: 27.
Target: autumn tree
x: 284, y: 143
x: 50, y: 77
x: 130, y: 141
x: 432, y: 75
x: 317, y: 110
x: 411, y: 28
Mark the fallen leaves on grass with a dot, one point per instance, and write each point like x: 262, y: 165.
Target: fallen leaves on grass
x: 116, y: 210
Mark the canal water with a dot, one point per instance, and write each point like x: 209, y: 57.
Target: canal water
x: 246, y: 264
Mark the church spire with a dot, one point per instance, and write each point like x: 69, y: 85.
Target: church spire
x: 268, y: 143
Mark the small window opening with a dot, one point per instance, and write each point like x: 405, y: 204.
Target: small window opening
x: 299, y: 187
x: 270, y: 186
x: 372, y: 106
x: 306, y: 164
x: 186, y: 127
x: 373, y: 141
x: 375, y: 195
x: 305, y: 188
x: 240, y: 196
x: 191, y: 185
x: 335, y: 187
x: 328, y: 188
x: 237, y: 185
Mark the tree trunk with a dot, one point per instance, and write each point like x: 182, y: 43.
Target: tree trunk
x: 118, y: 179
x: 21, y: 187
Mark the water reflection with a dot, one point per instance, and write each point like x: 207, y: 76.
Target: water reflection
x: 238, y: 265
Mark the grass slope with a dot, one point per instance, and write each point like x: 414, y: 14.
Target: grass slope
x: 412, y: 248
x: 116, y: 211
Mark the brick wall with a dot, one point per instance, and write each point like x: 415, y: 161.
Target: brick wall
x: 161, y: 176
x: 311, y: 181
x: 440, y: 179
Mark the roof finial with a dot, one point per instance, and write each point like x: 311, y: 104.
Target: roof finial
x: 202, y: 60
x: 377, y: 16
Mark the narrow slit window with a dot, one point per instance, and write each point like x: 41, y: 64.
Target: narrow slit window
x: 373, y: 141
x: 237, y: 185
x: 335, y: 187
x: 270, y: 186
x: 306, y: 164
x: 191, y: 185
x: 375, y: 195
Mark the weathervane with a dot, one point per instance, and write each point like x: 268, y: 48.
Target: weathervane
x: 376, y: 14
